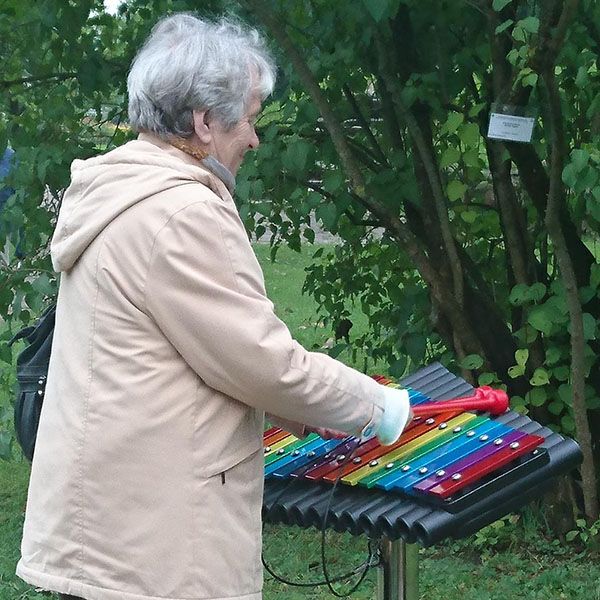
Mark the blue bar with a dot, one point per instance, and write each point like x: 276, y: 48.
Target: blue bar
x: 442, y: 457
x: 295, y: 462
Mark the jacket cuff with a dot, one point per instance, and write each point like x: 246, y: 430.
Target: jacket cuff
x: 395, y: 416
x: 296, y: 429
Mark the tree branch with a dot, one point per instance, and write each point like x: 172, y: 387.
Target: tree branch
x: 364, y: 124
x: 556, y: 198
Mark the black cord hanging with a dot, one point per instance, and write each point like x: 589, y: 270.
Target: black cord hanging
x: 361, y: 569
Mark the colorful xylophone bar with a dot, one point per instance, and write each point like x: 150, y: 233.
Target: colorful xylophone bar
x: 437, y: 458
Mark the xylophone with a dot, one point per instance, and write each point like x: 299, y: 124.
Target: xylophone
x: 450, y: 473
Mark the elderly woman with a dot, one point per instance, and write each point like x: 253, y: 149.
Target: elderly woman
x: 147, y: 477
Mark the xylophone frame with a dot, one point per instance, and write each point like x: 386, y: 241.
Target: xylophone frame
x: 398, y: 572
x: 398, y: 523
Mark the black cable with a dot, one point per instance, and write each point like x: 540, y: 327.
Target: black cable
x: 328, y: 579
x: 363, y: 568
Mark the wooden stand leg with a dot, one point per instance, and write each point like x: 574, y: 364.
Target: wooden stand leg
x: 398, y: 576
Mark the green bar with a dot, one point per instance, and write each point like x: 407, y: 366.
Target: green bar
x: 290, y: 448
x: 370, y: 480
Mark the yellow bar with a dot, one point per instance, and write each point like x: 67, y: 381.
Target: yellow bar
x: 356, y: 476
x: 286, y: 441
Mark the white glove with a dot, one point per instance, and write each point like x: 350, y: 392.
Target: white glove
x: 395, y: 416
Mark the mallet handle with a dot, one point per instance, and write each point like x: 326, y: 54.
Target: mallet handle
x: 484, y: 399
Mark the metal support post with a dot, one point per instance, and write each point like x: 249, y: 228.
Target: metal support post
x: 398, y: 574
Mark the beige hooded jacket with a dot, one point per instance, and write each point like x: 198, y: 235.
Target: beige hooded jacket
x: 147, y: 476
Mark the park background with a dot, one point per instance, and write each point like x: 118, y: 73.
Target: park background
x: 444, y: 244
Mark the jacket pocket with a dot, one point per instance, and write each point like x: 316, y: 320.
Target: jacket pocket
x: 229, y: 520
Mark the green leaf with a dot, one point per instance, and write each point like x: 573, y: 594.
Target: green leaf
x: 555, y: 407
x: 398, y: 367
x: 518, y: 33
x: 333, y: 181
x: 565, y: 394
x: 539, y: 377
x: 328, y: 215
x: 337, y: 350
x: 518, y: 295
x: 503, y: 26
x: 579, y: 159
x: 593, y: 402
x: 521, y: 356
x: 453, y: 122
x: 568, y: 424
x: 468, y: 216
x: 309, y: 234
x: 569, y: 175
x: 456, y: 190
x: 536, y: 397
x: 582, y: 78
x: 561, y: 373
x: 379, y: 8
x: 469, y: 134
x: 486, y: 379
x: 295, y: 156
x: 530, y: 80
x: 498, y: 5
x: 450, y: 156
x: 589, y: 327
x: 472, y: 361
x: 516, y: 371
x: 571, y: 535
x: 544, y: 317
x: 553, y: 355
x: 530, y: 24
x: 536, y: 292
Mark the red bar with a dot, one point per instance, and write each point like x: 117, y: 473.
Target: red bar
x: 320, y: 471
x: 409, y: 434
x: 270, y: 431
x: 276, y: 437
x: 494, y: 462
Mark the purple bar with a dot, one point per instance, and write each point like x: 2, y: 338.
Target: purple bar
x: 484, y: 452
x: 344, y: 448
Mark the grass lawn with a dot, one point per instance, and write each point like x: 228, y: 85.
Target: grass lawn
x: 512, y: 563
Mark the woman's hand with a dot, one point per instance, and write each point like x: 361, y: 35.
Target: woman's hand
x: 326, y: 434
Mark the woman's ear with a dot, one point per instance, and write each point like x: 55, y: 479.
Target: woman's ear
x: 201, y: 126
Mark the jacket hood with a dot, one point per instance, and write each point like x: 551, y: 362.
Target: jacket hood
x: 105, y: 186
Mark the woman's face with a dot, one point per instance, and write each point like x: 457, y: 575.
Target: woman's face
x: 229, y: 147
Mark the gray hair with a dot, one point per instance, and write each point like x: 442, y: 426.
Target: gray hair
x: 189, y: 64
